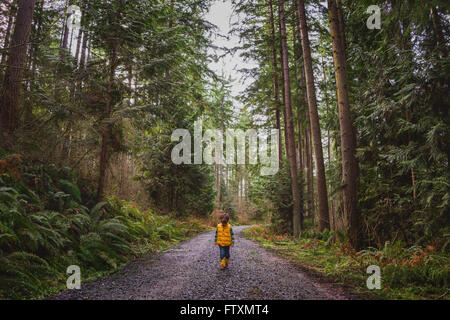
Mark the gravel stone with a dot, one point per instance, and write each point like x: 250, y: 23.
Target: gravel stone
x: 191, y: 271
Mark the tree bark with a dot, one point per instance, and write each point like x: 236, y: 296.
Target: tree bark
x: 283, y: 95
x: 220, y: 165
x: 327, y: 105
x: 322, y: 196
x: 71, y: 40
x: 307, y: 151
x: 79, y: 38
x: 246, y: 183
x: 84, y: 30
x: 297, y: 213
x: 310, y: 173
x: 12, y: 84
x: 66, y: 28
x: 299, y: 154
x: 83, y: 51
x: 106, y: 126
x: 276, y: 87
x: 347, y: 130
x: 226, y: 176
x: 34, y: 51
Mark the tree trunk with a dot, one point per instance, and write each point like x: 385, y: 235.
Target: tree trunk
x: 239, y: 189
x: 297, y: 213
x: 12, y: 84
x: 310, y: 173
x: 106, y: 127
x: 66, y: 28
x: 246, y: 182
x: 71, y: 41
x: 283, y: 95
x: 241, y: 181
x: 276, y: 87
x: 299, y: 154
x: 347, y: 131
x: 307, y: 152
x: 88, y: 57
x: 84, y: 30
x: 327, y: 105
x: 301, y: 163
x: 226, y: 176
x: 340, y: 17
x: 220, y: 164
x: 83, y: 51
x: 322, y: 196
x: 79, y: 38
x: 83, y: 61
x: 28, y: 118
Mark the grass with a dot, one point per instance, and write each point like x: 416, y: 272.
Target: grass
x: 406, y: 273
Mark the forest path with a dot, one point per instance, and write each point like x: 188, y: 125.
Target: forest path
x: 190, y: 270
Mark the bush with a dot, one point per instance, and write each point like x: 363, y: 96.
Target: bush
x: 44, y: 228
x: 407, y: 272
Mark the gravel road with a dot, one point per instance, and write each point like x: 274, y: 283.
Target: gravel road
x: 190, y: 270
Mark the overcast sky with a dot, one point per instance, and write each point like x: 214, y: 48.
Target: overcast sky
x: 221, y: 14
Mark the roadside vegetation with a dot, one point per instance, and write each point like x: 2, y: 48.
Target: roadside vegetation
x: 45, y: 227
x: 406, y: 272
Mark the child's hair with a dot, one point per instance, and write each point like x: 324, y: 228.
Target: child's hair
x: 224, y: 218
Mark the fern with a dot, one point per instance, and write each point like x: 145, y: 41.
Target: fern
x: 71, y: 189
x: 44, y: 228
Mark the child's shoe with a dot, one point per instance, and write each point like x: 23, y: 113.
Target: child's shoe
x: 227, y: 261
x: 222, y: 264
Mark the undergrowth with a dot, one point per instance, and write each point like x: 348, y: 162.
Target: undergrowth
x: 406, y: 273
x: 45, y: 227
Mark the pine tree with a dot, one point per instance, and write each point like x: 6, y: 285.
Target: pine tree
x: 9, y: 100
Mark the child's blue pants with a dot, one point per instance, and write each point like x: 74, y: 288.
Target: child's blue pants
x: 224, y: 252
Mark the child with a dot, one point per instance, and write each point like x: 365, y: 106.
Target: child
x: 224, y: 239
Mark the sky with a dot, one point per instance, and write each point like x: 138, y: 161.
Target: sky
x: 221, y: 14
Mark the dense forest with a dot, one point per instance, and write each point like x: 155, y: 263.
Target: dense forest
x: 91, y: 92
